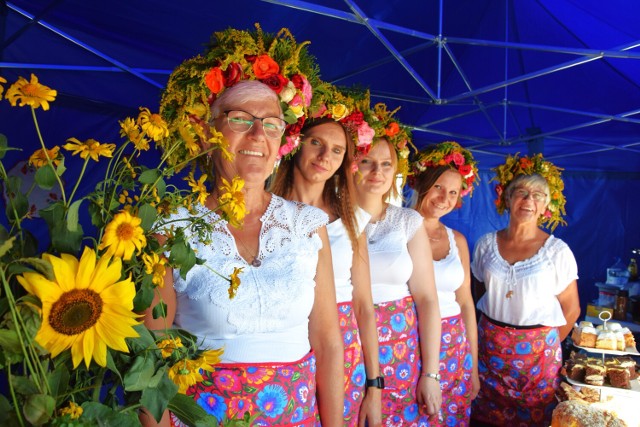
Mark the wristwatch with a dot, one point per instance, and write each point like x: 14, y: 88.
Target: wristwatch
x: 430, y: 375
x: 377, y: 382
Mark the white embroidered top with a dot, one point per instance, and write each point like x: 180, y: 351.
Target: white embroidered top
x: 449, y: 275
x: 391, y: 264
x: 533, y: 284
x: 267, y: 321
x: 342, y: 254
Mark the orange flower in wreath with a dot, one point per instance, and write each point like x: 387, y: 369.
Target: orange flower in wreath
x: 264, y: 67
x: 215, y: 80
x: 392, y: 129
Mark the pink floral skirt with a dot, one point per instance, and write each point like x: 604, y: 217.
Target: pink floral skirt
x: 518, y: 370
x: 283, y: 393
x: 400, y: 362
x: 456, y: 365
x: 354, y: 372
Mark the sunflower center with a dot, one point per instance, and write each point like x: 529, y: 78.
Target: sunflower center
x: 124, y: 231
x: 75, y: 311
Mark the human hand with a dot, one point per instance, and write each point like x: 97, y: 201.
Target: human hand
x: 371, y: 408
x: 429, y: 395
x: 475, y: 385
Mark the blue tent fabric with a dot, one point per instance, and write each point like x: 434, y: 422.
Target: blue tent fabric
x: 561, y: 77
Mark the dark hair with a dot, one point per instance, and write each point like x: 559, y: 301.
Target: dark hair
x: 338, y: 193
x: 425, y: 180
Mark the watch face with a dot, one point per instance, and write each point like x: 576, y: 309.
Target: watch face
x: 376, y: 382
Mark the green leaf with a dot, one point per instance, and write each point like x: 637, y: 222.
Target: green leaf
x: 6, y: 245
x: 58, y: 380
x: 42, y: 266
x: 156, y: 399
x: 65, y: 240
x: 289, y: 117
x: 159, y: 310
x: 149, y: 176
x: 53, y: 214
x: 144, y: 297
x: 72, y: 216
x: 38, y: 408
x: 24, y: 385
x: 189, y: 412
x: 148, y: 215
x: 139, y: 374
x: 17, y: 207
x: 45, y: 177
x: 159, y: 375
x: 144, y: 342
x: 9, y: 341
x: 104, y: 416
x: 182, y: 257
x: 161, y: 186
x: 4, y: 144
x: 5, y: 409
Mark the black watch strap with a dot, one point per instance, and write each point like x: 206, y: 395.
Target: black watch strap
x: 377, y: 382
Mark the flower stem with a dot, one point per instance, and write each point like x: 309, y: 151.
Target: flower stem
x: 84, y: 168
x: 46, y: 153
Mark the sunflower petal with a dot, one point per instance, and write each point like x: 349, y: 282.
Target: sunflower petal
x: 64, y: 269
x: 86, y: 268
x: 88, y: 346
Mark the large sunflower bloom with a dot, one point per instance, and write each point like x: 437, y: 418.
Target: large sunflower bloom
x: 86, y: 308
x: 231, y: 201
x: 153, y: 124
x: 89, y: 148
x: 123, y: 235
x: 30, y: 93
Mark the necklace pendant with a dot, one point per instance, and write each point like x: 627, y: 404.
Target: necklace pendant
x: 509, y: 295
x: 256, y: 262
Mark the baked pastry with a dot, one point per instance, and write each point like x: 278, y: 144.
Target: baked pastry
x: 606, y: 340
x: 584, y: 323
x: 619, y: 377
x: 629, y: 339
x: 595, y: 379
x: 575, y: 413
x: 620, y: 339
x: 584, y: 336
x: 613, y: 326
x: 576, y: 372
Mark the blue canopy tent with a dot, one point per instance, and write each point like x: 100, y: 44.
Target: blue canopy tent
x: 561, y: 77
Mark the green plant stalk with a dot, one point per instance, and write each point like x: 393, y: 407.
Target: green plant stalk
x: 84, y: 168
x: 44, y: 149
x: 17, y: 225
x: 15, y: 399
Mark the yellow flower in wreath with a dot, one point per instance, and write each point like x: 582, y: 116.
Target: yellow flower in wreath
x: 40, y: 158
x: 231, y: 201
x: 123, y: 235
x: 152, y: 124
x: 89, y: 148
x: 154, y: 264
x: 185, y: 373
x: 73, y: 410
x: 85, y: 308
x: 30, y: 93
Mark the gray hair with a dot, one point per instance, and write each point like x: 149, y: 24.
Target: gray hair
x: 533, y: 180
x: 242, y: 92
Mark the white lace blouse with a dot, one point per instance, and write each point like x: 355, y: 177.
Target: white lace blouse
x: 533, y: 284
x: 449, y: 275
x: 267, y: 321
x: 389, y: 258
x: 342, y: 254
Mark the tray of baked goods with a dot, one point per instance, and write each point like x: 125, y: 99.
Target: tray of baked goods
x: 608, y: 338
x: 615, y: 371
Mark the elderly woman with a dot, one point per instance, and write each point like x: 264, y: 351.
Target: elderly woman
x: 402, y: 282
x: 531, y: 300
x: 442, y: 175
x: 320, y: 175
x: 283, y: 320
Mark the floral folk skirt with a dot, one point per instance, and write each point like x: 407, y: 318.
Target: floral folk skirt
x: 456, y: 365
x: 518, y: 370
x: 400, y: 363
x: 283, y: 393
x: 354, y: 372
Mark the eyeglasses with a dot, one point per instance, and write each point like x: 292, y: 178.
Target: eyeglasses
x: 536, y: 196
x: 241, y: 122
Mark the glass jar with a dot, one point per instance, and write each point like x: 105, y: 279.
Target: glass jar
x: 620, y: 309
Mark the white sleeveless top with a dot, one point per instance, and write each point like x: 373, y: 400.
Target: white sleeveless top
x: 534, y: 283
x: 267, y: 321
x: 391, y: 264
x: 342, y: 254
x: 449, y: 275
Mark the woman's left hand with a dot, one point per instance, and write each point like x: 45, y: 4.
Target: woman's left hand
x: 429, y: 396
x: 475, y: 385
x: 371, y: 409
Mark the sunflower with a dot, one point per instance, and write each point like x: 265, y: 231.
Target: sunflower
x: 30, y: 93
x: 152, y: 124
x: 89, y: 148
x: 122, y: 235
x: 185, y: 373
x: 85, y: 308
x: 208, y: 358
x: 231, y: 201
x: 39, y: 157
x: 167, y: 346
x: 153, y: 264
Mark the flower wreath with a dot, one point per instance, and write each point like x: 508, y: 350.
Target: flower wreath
x: 277, y: 61
x: 450, y: 154
x: 514, y: 166
x: 399, y: 135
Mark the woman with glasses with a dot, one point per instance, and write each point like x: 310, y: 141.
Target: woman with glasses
x: 320, y: 174
x: 529, y: 298
x: 264, y: 291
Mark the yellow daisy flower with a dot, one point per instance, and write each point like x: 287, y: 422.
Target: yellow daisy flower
x: 89, y: 148
x: 231, y: 201
x: 39, y: 158
x: 2, y: 80
x: 152, y: 124
x: 184, y: 374
x: 86, y: 308
x: 167, y: 346
x: 154, y: 264
x: 30, y: 93
x: 197, y: 187
x: 234, y: 282
x: 73, y: 410
x: 129, y: 129
x: 123, y: 235
x: 209, y: 358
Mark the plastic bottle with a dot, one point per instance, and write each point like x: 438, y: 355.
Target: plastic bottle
x: 633, y: 270
x: 620, y: 310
